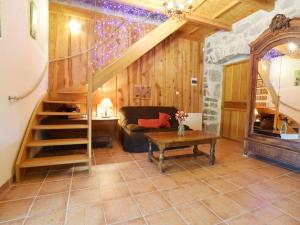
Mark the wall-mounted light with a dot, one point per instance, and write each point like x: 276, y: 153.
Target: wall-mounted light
x: 292, y: 47
x: 74, y: 26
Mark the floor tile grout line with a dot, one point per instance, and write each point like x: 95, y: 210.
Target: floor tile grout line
x: 223, y: 177
x: 181, y: 217
x: 252, y: 210
x: 69, y: 197
x: 285, y: 212
x: 34, y: 199
x: 132, y: 197
x: 211, y: 210
x: 174, y: 208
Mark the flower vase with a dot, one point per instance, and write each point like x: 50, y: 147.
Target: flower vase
x: 180, y: 131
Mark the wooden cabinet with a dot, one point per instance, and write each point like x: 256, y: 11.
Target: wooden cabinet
x: 235, y: 97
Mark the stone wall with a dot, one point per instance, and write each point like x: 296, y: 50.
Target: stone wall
x: 224, y: 47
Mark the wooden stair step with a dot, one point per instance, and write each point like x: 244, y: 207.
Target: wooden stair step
x: 54, y: 160
x: 60, y: 113
x: 64, y: 102
x: 57, y: 142
x: 60, y: 127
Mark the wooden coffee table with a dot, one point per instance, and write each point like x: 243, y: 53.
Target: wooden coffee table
x: 166, y: 141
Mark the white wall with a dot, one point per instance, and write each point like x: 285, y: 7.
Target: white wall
x: 282, y: 77
x: 21, y: 62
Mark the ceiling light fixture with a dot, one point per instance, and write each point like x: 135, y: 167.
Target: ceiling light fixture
x: 292, y: 47
x: 178, y: 8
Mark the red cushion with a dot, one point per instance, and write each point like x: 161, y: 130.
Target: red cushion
x: 164, y: 120
x: 149, y: 123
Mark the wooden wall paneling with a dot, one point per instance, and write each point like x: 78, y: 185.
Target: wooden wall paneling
x: 177, y: 50
x: 195, y: 56
x: 167, y: 68
x: 52, y: 42
x: 186, y: 89
x: 159, y: 92
x: 134, y: 79
x: 109, y: 90
x: 171, y: 71
x: 147, y: 74
x: 122, y: 89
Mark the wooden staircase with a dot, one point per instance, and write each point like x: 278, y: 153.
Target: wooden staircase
x: 47, y: 117
x: 262, y: 94
x: 34, y: 143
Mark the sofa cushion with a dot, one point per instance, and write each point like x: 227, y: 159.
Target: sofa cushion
x: 149, y: 123
x: 164, y: 120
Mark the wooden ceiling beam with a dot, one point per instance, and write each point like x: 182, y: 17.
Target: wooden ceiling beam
x: 267, y: 5
x: 206, y: 21
x: 226, y: 9
x: 198, y: 4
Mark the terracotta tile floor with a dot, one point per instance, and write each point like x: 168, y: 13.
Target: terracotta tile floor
x: 126, y: 189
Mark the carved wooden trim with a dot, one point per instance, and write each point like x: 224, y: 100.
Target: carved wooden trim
x: 279, y: 23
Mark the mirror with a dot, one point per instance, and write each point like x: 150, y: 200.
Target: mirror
x: 277, y: 104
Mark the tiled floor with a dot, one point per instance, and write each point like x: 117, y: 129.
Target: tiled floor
x: 127, y: 189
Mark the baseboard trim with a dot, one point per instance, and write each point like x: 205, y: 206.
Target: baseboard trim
x: 5, y: 187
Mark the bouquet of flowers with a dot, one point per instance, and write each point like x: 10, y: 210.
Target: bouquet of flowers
x: 181, y: 116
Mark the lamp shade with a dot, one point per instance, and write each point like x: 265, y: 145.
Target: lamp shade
x: 106, y: 102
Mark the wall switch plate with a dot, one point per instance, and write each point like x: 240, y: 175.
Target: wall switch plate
x: 194, y: 81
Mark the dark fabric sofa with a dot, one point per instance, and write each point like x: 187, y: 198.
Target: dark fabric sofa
x: 132, y: 137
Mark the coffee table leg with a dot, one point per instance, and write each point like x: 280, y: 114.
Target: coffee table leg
x: 212, y: 153
x: 161, y: 163
x: 150, y: 153
x: 195, y: 149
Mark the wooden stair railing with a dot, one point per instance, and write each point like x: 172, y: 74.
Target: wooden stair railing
x: 33, y: 139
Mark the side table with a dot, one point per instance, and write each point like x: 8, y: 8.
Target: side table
x: 104, y: 130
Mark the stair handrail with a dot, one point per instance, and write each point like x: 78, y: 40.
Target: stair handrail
x: 289, y: 106
x: 277, y: 97
x: 41, y: 77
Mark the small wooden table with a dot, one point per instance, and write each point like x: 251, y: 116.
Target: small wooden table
x: 170, y: 140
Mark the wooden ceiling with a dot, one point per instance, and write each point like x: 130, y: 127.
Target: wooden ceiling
x: 284, y: 49
x: 209, y: 16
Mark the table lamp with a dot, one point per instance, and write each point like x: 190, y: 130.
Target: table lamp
x: 106, y: 104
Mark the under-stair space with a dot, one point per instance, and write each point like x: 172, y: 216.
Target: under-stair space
x: 57, y: 134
